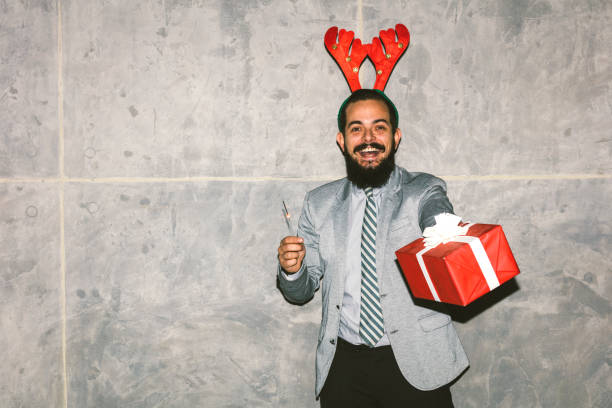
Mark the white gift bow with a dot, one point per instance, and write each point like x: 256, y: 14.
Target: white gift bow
x: 447, y: 229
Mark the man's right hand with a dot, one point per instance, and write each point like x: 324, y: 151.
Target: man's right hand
x: 291, y: 252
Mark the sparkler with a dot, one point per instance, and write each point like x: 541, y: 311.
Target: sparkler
x: 287, y: 218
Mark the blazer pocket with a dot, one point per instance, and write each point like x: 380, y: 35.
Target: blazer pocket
x: 434, y: 321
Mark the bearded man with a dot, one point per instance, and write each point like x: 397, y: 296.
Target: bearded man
x: 376, y: 348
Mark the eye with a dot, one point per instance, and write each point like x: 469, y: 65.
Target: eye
x: 355, y: 129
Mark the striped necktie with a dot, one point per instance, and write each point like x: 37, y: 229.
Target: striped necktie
x: 371, y: 327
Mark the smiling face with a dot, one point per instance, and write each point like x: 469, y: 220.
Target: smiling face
x: 368, y: 139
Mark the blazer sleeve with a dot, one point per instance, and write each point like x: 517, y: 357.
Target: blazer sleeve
x: 434, y: 201
x: 302, y: 289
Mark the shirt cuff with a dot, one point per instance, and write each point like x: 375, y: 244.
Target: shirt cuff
x: 293, y: 276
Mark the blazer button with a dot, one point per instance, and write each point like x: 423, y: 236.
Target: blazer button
x: 332, y: 341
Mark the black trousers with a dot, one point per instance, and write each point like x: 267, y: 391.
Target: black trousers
x: 362, y: 377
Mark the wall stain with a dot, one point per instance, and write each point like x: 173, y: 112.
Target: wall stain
x: 31, y: 211
x: 162, y: 32
x: 515, y: 13
x: 280, y: 94
x: 115, y: 299
x: 586, y: 296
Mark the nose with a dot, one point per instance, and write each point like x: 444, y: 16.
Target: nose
x: 368, y: 136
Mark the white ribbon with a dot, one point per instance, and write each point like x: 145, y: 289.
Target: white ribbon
x: 447, y: 230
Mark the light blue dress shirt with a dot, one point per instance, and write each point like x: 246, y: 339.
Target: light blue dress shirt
x: 351, y: 302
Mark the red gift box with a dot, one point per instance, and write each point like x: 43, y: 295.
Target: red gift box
x: 461, y: 270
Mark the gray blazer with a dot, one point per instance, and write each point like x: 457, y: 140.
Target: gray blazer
x: 424, y: 342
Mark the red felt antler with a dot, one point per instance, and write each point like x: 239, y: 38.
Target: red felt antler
x: 338, y: 45
x: 384, y: 61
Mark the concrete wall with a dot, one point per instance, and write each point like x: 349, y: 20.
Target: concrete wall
x: 146, y: 147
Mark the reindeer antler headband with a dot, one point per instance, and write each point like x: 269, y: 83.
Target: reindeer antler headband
x: 339, y: 43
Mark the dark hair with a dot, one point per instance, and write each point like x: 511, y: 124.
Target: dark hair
x: 366, y: 95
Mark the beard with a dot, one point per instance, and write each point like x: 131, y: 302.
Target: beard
x: 370, y: 176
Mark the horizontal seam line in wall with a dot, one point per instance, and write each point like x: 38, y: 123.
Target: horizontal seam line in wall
x: 196, y: 179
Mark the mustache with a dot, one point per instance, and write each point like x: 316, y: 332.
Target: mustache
x: 362, y: 146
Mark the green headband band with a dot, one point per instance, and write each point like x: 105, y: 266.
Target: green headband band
x: 346, y: 101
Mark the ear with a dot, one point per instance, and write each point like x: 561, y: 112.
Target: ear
x: 340, y: 141
x: 397, y: 137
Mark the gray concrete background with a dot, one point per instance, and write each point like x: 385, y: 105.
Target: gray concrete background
x: 147, y: 145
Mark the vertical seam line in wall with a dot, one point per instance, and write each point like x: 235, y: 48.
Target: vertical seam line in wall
x: 360, y: 19
x: 60, y: 120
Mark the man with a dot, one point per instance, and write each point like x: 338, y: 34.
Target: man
x: 376, y: 348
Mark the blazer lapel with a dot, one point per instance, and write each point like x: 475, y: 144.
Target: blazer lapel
x: 388, y: 208
x: 340, y: 213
